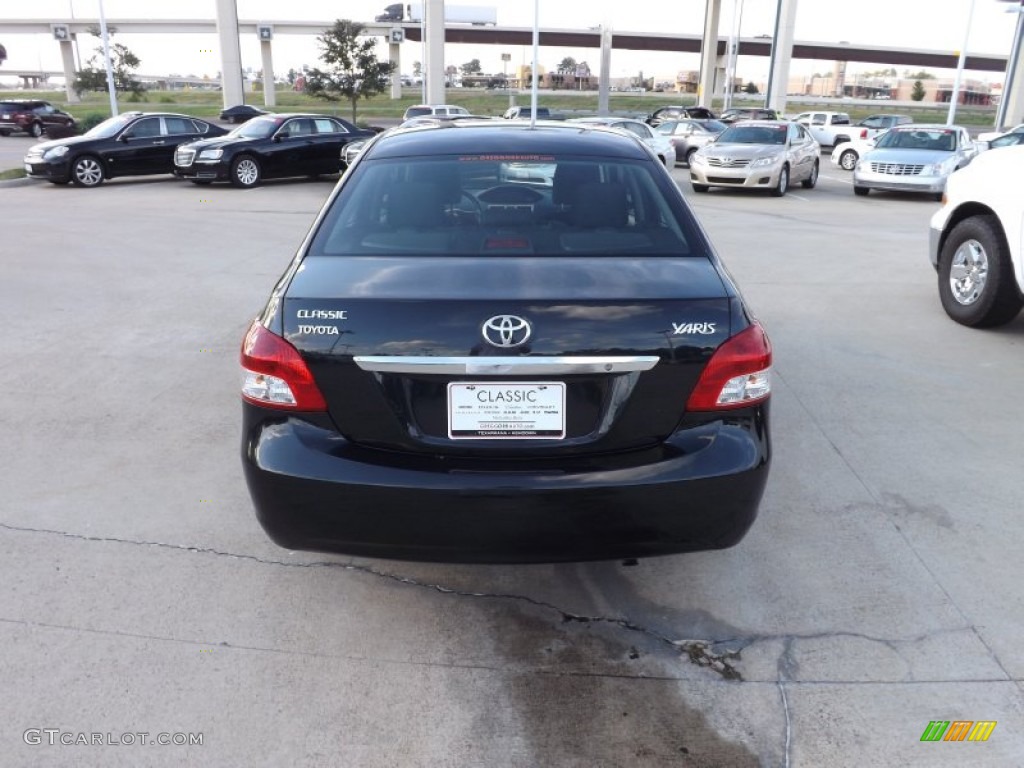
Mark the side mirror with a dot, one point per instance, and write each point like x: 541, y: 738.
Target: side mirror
x: 278, y: 137
x: 126, y: 136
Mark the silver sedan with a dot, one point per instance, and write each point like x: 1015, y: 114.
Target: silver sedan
x: 687, y: 136
x: 762, y: 154
x: 914, y: 158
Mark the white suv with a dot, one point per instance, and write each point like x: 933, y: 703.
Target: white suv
x: 976, y: 240
x: 434, y: 110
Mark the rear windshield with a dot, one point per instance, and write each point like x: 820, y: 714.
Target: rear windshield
x: 507, y: 205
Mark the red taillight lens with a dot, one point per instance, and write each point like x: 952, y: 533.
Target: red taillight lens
x: 864, y: 133
x: 274, y: 375
x: 737, y: 375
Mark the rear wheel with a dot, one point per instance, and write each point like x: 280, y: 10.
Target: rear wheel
x: 35, y: 130
x: 780, y: 188
x: 86, y: 171
x: 976, y: 283
x: 848, y: 160
x: 245, y: 171
x: 5, y: 133
x: 811, y: 180
x: 861, y: 191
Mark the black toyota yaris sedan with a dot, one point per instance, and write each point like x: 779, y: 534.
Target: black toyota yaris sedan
x: 505, y: 343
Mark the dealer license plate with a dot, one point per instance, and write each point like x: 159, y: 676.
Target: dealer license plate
x: 506, y: 410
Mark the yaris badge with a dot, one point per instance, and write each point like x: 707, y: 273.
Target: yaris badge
x: 506, y: 331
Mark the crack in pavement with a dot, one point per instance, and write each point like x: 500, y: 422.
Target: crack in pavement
x: 786, y: 667
x: 718, y: 655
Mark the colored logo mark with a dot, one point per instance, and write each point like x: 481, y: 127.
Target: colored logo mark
x: 958, y: 730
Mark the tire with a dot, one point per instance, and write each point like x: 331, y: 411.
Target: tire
x: 5, y: 133
x: 848, y: 160
x: 86, y: 171
x: 861, y: 191
x: 699, y: 187
x: 35, y: 130
x: 811, y: 180
x: 245, y: 172
x: 976, y: 283
x: 689, y: 155
x: 780, y: 189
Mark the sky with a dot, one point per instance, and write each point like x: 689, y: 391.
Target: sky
x: 925, y: 24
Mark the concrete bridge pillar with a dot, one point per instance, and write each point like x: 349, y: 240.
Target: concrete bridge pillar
x: 395, y: 57
x: 709, y: 53
x: 433, y: 78
x: 67, y: 55
x: 782, y: 54
x: 230, y: 53
x: 269, y: 92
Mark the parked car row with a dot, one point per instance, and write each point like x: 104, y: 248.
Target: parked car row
x: 142, y: 143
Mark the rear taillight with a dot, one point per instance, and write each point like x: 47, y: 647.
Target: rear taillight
x: 864, y: 133
x: 737, y: 375
x: 274, y: 374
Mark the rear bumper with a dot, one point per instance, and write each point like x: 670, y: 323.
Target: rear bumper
x: 313, y: 490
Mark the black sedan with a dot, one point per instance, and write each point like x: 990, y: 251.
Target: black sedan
x: 131, y: 144
x: 269, y: 147
x: 242, y: 112
x: 505, y: 343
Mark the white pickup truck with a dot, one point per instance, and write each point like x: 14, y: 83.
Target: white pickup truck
x: 829, y: 128
x: 976, y: 240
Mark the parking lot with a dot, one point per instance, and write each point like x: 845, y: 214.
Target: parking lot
x: 878, y: 591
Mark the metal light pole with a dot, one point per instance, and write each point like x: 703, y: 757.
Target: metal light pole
x: 106, y: 57
x: 734, y: 45
x: 1011, y: 66
x: 533, y: 73
x: 954, y: 97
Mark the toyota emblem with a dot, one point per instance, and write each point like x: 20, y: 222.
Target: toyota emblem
x: 506, y: 331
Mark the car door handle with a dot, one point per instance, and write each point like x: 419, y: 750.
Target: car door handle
x: 156, y: 143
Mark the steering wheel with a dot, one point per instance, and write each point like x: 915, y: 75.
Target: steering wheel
x: 462, y: 213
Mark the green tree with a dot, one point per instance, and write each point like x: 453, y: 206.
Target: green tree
x: 123, y: 63
x: 567, y: 66
x: 751, y: 88
x: 922, y: 75
x: 471, y: 67
x: 917, y: 94
x: 352, y: 70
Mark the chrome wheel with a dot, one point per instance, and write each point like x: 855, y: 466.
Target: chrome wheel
x: 848, y: 160
x: 968, y: 272
x: 35, y: 130
x: 247, y: 172
x: 87, y: 172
